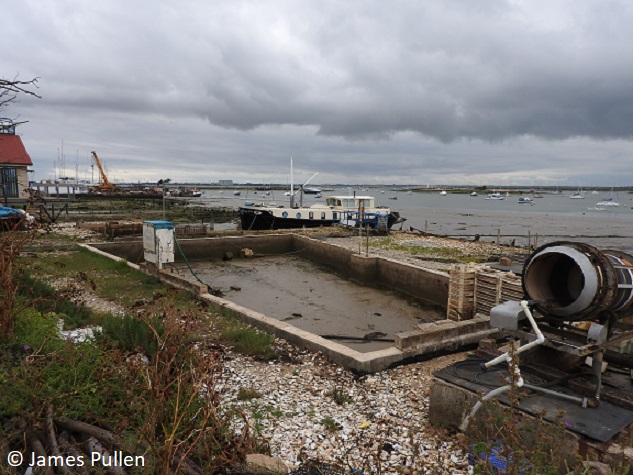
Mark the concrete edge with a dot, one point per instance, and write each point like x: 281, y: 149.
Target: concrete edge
x: 109, y: 256
x: 442, y: 330
x: 362, y: 362
x: 454, y: 344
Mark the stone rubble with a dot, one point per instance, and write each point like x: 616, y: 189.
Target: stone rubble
x: 312, y: 409
x: 78, y: 292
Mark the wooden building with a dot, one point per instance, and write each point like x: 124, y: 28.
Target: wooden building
x: 14, y: 166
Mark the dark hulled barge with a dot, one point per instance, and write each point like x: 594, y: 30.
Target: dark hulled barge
x: 351, y: 211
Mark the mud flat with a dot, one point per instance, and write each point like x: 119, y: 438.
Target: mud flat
x: 603, y: 229
x: 313, y: 298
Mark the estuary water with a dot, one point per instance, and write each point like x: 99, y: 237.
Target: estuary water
x: 553, y: 217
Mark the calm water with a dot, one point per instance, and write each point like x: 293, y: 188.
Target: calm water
x: 553, y: 217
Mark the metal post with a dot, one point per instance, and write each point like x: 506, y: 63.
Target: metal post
x: 164, y: 214
x: 3, y: 187
x: 529, y: 240
x: 596, y: 366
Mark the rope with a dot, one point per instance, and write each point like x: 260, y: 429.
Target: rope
x: 189, y: 266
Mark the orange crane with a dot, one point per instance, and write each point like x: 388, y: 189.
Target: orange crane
x: 105, y: 183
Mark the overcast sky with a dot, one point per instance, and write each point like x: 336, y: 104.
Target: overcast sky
x: 531, y: 92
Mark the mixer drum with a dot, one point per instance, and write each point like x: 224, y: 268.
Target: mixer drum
x: 575, y: 281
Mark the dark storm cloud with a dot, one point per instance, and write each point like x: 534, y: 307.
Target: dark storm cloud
x: 444, y: 72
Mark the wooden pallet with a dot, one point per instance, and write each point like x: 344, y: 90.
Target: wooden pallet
x: 495, y: 287
x: 461, y: 293
x: 476, y: 289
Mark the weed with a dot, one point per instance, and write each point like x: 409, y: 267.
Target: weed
x: 78, y: 379
x: 330, y: 424
x: 247, y: 394
x: 11, y: 245
x: 179, y: 422
x: 37, y: 331
x: 164, y: 406
x: 275, y: 412
x: 248, y: 340
x: 339, y: 396
x: 113, y: 280
x: 133, y: 334
x: 504, y: 437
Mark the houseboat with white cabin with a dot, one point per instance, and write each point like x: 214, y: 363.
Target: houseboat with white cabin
x: 351, y: 211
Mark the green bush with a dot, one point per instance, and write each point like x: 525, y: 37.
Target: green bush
x: 132, y: 334
x: 77, y: 379
x: 37, y: 331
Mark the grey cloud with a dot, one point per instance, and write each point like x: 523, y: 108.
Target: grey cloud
x: 421, y: 84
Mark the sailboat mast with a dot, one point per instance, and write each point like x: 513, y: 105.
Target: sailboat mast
x: 292, y: 191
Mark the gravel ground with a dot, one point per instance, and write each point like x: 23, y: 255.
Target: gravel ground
x: 313, y: 409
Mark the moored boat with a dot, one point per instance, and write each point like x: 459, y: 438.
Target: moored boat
x: 352, y: 211
x: 495, y: 196
x: 608, y: 202
x: 311, y: 190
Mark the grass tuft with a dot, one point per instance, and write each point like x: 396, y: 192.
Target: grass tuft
x: 248, y: 394
x: 248, y: 341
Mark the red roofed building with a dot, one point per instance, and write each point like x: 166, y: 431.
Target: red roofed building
x: 14, y: 163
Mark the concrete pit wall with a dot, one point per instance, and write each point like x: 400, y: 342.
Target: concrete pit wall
x: 421, y: 283
x: 216, y: 248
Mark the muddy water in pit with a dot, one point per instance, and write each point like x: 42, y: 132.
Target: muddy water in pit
x: 314, y: 298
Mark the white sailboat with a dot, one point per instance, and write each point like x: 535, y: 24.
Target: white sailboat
x: 578, y: 195
x: 608, y: 201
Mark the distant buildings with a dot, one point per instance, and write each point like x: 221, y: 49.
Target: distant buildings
x: 226, y: 182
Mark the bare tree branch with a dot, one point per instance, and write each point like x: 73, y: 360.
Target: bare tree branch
x: 9, y: 91
x: 16, y: 87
